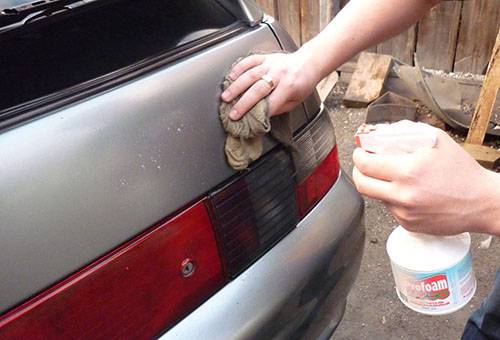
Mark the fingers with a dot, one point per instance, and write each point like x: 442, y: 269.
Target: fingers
x: 259, y: 90
x: 246, y: 64
x: 372, y: 187
x: 243, y: 82
x: 249, y: 89
x: 383, y: 167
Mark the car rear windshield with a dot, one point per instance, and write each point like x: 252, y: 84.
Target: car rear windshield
x: 56, y: 52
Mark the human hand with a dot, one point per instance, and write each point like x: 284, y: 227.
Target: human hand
x: 293, y: 75
x: 440, y: 190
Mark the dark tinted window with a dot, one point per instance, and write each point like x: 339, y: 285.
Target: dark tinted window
x: 96, y: 39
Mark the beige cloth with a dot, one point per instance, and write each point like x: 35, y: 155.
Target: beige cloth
x: 244, y: 137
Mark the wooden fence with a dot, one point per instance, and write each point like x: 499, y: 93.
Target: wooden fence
x: 454, y: 36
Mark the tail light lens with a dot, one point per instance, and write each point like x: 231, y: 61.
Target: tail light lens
x: 317, y: 184
x: 148, y: 284
x: 254, y: 212
x: 317, y: 163
x: 259, y: 208
x: 135, y: 292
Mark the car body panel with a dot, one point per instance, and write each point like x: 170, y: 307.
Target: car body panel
x: 297, y: 289
x: 78, y: 182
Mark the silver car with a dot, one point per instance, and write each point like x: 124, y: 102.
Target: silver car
x: 119, y: 215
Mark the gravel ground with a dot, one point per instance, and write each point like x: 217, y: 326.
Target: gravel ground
x: 373, y: 309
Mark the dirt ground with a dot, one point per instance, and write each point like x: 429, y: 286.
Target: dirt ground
x: 373, y: 309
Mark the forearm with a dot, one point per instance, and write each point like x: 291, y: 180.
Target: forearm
x: 361, y: 24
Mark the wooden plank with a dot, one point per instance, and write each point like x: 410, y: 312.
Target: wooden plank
x: 343, y: 3
x: 487, y: 98
x: 309, y: 19
x: 336, y: 7
x: 486, y: 156
x: 401, y: 46
x: 350, y: 66
x: 289, y: 17
x: 368, y: 79
x: 437, y: 36
x: 479, y: 25
x: 268, y: 6
x: 327, y: 11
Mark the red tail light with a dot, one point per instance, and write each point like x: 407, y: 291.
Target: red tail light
x: 316, y: 161
x: 317, y: 184
x: 135, y: 292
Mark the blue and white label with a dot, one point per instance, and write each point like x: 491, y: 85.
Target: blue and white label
x: 438, y: 292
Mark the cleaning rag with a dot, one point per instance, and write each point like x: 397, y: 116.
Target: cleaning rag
x: 244, y: 142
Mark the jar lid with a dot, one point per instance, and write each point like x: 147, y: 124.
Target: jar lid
x: 426, y: 253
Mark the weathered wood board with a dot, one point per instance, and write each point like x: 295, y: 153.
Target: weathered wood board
x: 401, y: 47
x: 343, y: 3
x: 437, y: 36
x: 456, y: 35
x: 368, y: 79
x: 268, y: 6
x: 289, y: 17
x: 479, y: 26
x: 487, y: 98
x: 309, y: 19
x: 487, y: 157
x: 327, y: 10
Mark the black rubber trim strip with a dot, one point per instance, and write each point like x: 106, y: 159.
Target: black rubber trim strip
x: 35, y: 108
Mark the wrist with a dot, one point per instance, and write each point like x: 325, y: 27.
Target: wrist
x: 317, y: 67
x: 491, y: 217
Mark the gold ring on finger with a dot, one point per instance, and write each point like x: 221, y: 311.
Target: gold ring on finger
x: 268, y: 79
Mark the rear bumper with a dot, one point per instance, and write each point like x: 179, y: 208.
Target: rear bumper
x: 297, y: 289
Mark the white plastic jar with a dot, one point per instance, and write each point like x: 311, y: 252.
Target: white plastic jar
x: 433, y: 274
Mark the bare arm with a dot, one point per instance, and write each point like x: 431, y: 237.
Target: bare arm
x: 360, y: 24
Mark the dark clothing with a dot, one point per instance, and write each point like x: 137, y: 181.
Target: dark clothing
x: 484, y: 323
